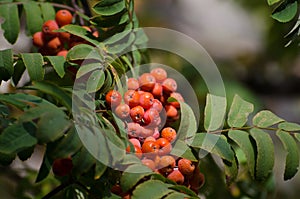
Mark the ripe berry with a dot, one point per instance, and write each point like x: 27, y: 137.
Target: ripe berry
x: 169, y: 85
x: 171, y: 111
x: 157, y: 105
x: 132, y: 84
x: 135, y: 142
x: 38, y: 39
x: 165, y: 146
x: 186, y: 167
x: 146, y: 132
x: 49, y: 27
x: 63, y: 17
x: 113, y: 98
x: 62, y: 166
x: 150, y: 148
x: 132, y: 98
x: 137, y: 114
x: 137, y: 151
x: 134, y: 129
x: 122, y: 111
x: 168, y: 133
x: 96, y: 33
x: 166, y: 164
x: 150, y: 138
x: 176, y: 176
x: 149, y: 163
x: 178, y: 97
x: 146, y: 100
x: 62, y: 53
x: 147, y: 81
x: 157, y: 89
x: 159, y: 73
x: 151, y: 117
x: 64, y: 36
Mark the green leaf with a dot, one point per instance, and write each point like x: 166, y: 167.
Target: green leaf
x: 44, y: 169
x: 48, y: 11
x: 99, y: 169
x: 239, y: 112
x: 88, y: 68
x: 231, y: 171
x: 243, y: 141
x: 297, y: 136
x: 11, y: 25
x: 176, y: 195
x: 184, y: 189
x: 215, y: 144
x: 109, y: 7
x: 271, y: 2
x: 132, y: 175
x: 15, y: 138
x: 265, y: 154
x: 214, y: 112
x: 58, y: 63
x: 289, y: 126
x: 83, y: 51
x: 265, y: 119
x: 285, y: 12
x: 82, y: 161
x: 121, y: 45
x: 19, y: 69
x: 292, y: 158
x: 95, y: 81
x: 188, y: 124
x: 7, y: 159
x: 150, y: 189
x: 6, y: 64
x: 26, y: 153
x: 34, y: 63
x: 81, y: 32
x: 68, y: 145
x: 34, y: 20
x: 54, y: 90
x: 181, y: 149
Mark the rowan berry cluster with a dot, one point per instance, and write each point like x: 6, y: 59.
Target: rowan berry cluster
x: 51, y: 42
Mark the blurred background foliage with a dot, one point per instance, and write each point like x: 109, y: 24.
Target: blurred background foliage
x: 248, y: 47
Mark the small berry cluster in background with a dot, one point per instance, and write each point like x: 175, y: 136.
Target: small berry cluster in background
x: 51, y: 42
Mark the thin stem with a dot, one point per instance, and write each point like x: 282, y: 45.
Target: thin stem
x: 57, y: 190
x: 243, y: 128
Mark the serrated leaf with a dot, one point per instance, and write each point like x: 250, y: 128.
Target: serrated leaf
x: 44, y: 169
x: 11, y: 25
x: 15, y: 138
x: 19, y: 69
x: 214, y: 112
x: 213, y: 144
x: 285, y: 12
x: 6, y: 64
x: 243, y: 141
x: 121, y: 45
x: 88, y: 68
x: 82, y: 52
x: 81, y: 32
x: 272, y: 2
x: 58, y: 63
x: 109, y: 7
x: 289, y: 126
x: 292, y: 158
x: 181, y: 149
x: 188, y: 124
x: 265, y: 154
x: 132, y: 175
x: 239, y: 112
x: 48, y: 11
x: 265, y: 119
x: 110, y: 20
x: 34, y: 20
x: 54, y: 90
x: 34, y: 63
x: 95, y: 81
x: 150, y: 189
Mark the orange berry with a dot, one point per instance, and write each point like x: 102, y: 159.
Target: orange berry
x: 159, y: 73
x: 146, y: 132
x: 169, y: 85
x: 62, y: 53
x: 122, y: 111
x: 149, y: 163
x: 132, y: 84
x: 64, y: 36
x: 171, y: 111
x: 165, y: 146
x: 150, y: 148
x: 178, y: 97
x: 113, y: 98
x: 137, y: 151
x: 166, y: 164
x: 96, y: 33
x: 49, y: 27
x: 63, y: 17
x: 137, y: 113
x: 168, y: 133
x: 151, y: 117
x: 38, y: 39
x: 147, y: 81
x: 157, y: 105
x: 135, y: 142
x: 54, y: 44
x: 132, y: 98
x: 134, y: 129
x: 62, y: 166
x: 150, y: 138
x: 176, y: 176
x: 186, y: 167
x: 146, y: 100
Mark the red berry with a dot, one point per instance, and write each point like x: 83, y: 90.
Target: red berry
x: 151, y: 117
x: 178, y: 97
x: 135, y: 142
x: 157, y: 105
x: 146, y: 100
x: 122, y: 111
x: 157, y: 89
x: 62, y: 166
x: 38, y: 39
x: 176, y: 176
x: 171, y: 111
x: 137, y: 114
x: 132, y: 84
x: 166, y: 164
x: 134, y: 129
x: 49, y: 27
x: 147, y: 81
x: 165, y: 146
x: 132, y: 98
x: 113, y: 98
x: 169, y: 85
x: 62, y: 53
x: 150, y: 149
x: 137, y: 151
x: 149, y: 163
x: 159, y: 73
x: 186, y: 167
x: 63, y: 17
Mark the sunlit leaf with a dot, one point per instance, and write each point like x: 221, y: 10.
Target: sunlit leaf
x: 265, y: 119
x: 6, y: 64
x: 58, y: 64
x: 11, y: 24
x: 34, y: 63
x: 150, y: 189
x: 289, y: 126
x: 109, y: 7
x: 48, y: 11
x: 34, y: 19
x: 285, y: 12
